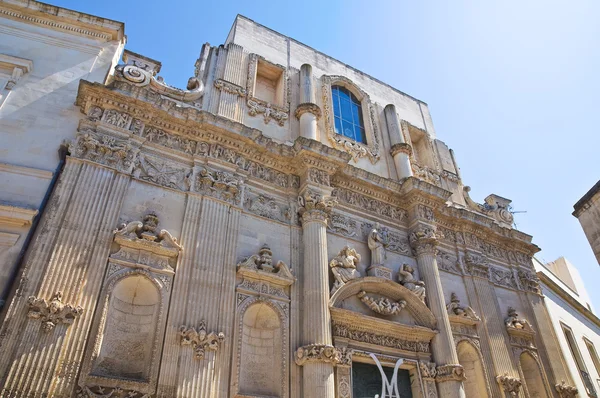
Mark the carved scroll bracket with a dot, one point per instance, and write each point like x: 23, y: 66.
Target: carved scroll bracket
x: 450, y: 373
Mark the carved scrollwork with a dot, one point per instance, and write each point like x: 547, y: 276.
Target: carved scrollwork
x: 52, y: 312
x: 218, y: 184
x: 450, y: 372
x: 269, y: 111
x: 382, y: 305
x: 318, y: 353
x: 200, y: 340
x: 229, y: 87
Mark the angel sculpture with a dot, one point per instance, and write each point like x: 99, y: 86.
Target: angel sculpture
x: 407, y: 279
x: 343, y: 266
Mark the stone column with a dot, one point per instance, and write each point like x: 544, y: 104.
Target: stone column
x: 449, y: 373
x: 317, y: 354
x: 308, y: 112
x: 400, y: 149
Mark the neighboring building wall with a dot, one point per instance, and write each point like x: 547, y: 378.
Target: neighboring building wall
x: 569, y: 311
x: 44, y: 52
x: 201, y: 239
x: 587, y: 211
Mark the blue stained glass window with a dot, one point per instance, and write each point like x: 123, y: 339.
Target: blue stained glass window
x: 347, y: 113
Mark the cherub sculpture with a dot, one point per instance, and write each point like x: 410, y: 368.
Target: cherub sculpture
x: 343, y: 266
x: 407, y: 279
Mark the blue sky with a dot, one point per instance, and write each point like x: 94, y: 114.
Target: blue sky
x: 512, y: 85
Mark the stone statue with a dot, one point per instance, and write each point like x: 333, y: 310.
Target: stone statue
x: 454, y: 308
x: 514, y: 322
x: 407, y: 279
x: 376, y: 245
x: 383, y: 305
x: 343, y: 266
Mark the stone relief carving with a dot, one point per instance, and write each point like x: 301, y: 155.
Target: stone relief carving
x: 108, y: 392
x: 448, y: 262
x: 343, y: 267
x: 503, y: 277
x: 269, y: 111
x: 144, y: 233
x: 514, y: 322
x: 407, y: 279
x: 318, y: 176
x: 266, y: 206
x: 450, y: 372
x: 566, y: 391
x: 454, y: 308
x: 52, y: 312
x: 495, y: 207
x: 117, y: 119
x: 476, y: 265
x: 426, y: 174
x: 263, y: 261
x: 510, y: 385
x: 342, y: 225
x: 529, y: 281
x: 95, y: 113
x: 392, y: 241
x: 200, y: 340
x: 318, y: 353
x: 356, y: 149
x: 314, y: 206
x: 171, y: 141
x: 425, y: 212
x: 105, y: 150
x: 423, y: 239
x: 428, y: 369
x: 257, y: 106
x: 382, y: 305
x: 229, y: 87
x: 218, y: 184
x: 365, y: 203
x: 345, y: 331
x: 161, y: 173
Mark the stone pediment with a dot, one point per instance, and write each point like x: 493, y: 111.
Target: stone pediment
x: 390, y: 290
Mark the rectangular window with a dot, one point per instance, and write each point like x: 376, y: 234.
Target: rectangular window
x: 594, y: 356
x: 587, y: 380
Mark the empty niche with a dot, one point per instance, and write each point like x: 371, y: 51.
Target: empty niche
x: 534, y: 383
x: 261, y: 354
x: 129, y: 331
x: 475, y: 384
x: 269, y: 85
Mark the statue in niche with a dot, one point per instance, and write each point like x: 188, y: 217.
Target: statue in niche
x: 343, y: 267
x: 407, y: 279
x: 514, y: 322
x: 454, y: 308
x: 376, y: 243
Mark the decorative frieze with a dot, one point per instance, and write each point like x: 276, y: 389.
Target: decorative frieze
x: 52, y: 312
x: 318, y: 176
x: 112, y: 392
x: 382, y: 305
x: 269, y: 111
x: 218, y: 184
x: 266, y: 206
x: 345, y: 331
x: 448, y: 262
x: 161, y: 172
x: 503, y: 277
x: 118, y: 119
x: 109, y: 151
x: 342, y: 225
x: 319, y: 353
x: 365, y: 203
x: 200, y: 340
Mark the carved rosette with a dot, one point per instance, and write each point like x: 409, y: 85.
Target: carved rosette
x: 322, y: 353
x: 308, y: 107
x: 200, y: 340
x: 566, y: 391
x: 315, y: 207
x: 401, y: 148
x: 450, y: 373
x: 510, y: 385
x: 424, y: 240
x: 52, y: 312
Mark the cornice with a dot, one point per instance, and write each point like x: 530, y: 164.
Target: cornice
x: 562, y: 293
x: 25, y: 171
x: 62, y: 19
x: 16, y: 216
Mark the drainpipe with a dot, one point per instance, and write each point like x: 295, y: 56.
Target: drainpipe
x: 16, y: 268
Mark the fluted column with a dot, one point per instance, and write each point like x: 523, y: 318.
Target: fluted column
x: 449, y: 373
x: 308, y: 112
x: 400, y: 150
x: 318, y: 376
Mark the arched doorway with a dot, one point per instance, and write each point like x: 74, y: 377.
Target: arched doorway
x: 475, y: 383
x: 534, y: 383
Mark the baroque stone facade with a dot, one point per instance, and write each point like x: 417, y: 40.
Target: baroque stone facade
x: 224, y: 240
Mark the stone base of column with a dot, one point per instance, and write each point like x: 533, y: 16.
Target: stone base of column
x: 318, y: 380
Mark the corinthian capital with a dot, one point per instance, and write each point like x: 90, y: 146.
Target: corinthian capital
x: 424, y: 239
x: 315, y: 207
x: 510, y: 385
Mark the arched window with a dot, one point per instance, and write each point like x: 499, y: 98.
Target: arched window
x: 348, y: 114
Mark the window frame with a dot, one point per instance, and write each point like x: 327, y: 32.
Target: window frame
x: 579, y: 362
x: 371, y: 147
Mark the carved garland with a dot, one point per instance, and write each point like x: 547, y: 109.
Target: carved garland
x: 356, y: 149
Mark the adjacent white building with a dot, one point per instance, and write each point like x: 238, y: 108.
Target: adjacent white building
x: 576, y: 326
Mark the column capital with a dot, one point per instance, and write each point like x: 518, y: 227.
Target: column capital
x: 453, y: 372
x: 315, y: 207
x: 566, y: 391
x: 510, y: 385
x: 324, y: 353
x: 424, y: 239
x: 401, y: 148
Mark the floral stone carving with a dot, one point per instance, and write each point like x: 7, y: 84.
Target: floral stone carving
x: 52, y: 312
x: 407, y: 279
x: 218, y: 184
x: 343, y: 267
x: 383, y: 305
x: 200, y: 340
x: 319, y: 353
x: 263, y: 261
x: 510, y: 385
x: 454, y: 308
x: 315, y: 207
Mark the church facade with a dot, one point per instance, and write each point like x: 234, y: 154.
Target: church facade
x: 286, y: 226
